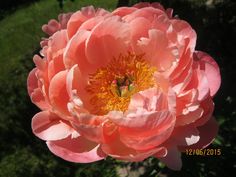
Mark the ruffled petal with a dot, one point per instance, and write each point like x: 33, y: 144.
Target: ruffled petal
x: 79, y: 97
x: 120, y: 151
x: 184, y: 136
x: 35, y: 92
x: 157, y: 50
x: 211, y: 70
x: 207, y: 134
x: 75, y: 53
x: 158, y: 127
x: 78, y: 150
x: 58, y: 94
x: 79, y: 18
x: 107, y: 41
x: 52, y: 27
x: 172, y: 159
x: 123, y: 11
x: 49, y: 127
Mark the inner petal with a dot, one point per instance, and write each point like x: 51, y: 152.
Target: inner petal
x: 112, y: 86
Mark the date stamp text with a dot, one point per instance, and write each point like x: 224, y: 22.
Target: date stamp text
x: 203, y: 152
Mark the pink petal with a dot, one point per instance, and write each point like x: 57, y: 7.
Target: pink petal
x: 149, y: 13
x: 52, y: 27
x: 75, y: 53
x: 142, y: 5
x: 123, y: 11
x: 139, y: 28
x: 64, y: 18
x: 190, y: 117
x: 78, y: 150
x: 198, y: 80
x: 48, y: 126
x: 208, y: 106
x: 91, y: 23
x: 207, y: 133
x: 211, y: 69
x: 55, y: 66
x: 156, y: 49
x: 79, y: 18
x: 58, y: 94
x: 172, y: 159
x: 184, y: 136
x: 185, y: 31
x: 90, y: 127
x: 151, y: 100
x: 58, y: 42
x: 76, y: 83
x: 184, y: 63
x: 35, y: 92
x: 108, y: 39
x: 147, y: 4
x: 32, y: 81
x: 119, y: 150
x: 158, y: 127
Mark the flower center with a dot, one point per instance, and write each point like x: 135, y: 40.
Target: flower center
x: 112, y: 87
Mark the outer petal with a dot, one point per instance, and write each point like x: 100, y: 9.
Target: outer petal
x: 119, y: 150
x: 172, y: 159
x: 122, y: 11
x: 58, y: 94
x: 78, y: 150
x: 158, y: 128
x: 49, y: 126
x: 78, y: 18
x: 147, y: 4
x: 51, y: 27
x: 185, y: 31
x: 207, y: 134
x: 75, y: 52
x: 184, y: 136
x: 208, y: 107
x: 35, y: 92
x: 211, y: 69
x: 149, y: 13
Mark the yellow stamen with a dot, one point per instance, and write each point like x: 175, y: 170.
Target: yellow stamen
x: 111, y: 87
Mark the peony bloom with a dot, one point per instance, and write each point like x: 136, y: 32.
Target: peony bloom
x: 127, y: 84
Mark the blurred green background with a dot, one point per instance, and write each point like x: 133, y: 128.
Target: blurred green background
x: 24, y: 155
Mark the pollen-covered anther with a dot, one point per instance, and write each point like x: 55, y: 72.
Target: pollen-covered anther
x: 112, y: 87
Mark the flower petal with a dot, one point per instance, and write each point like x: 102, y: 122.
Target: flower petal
x: 211, y: 69
x: 79, y: 18
x: 158, y: 127
x: 77, y: 150
x: 119, y: 150
x: 48, y: 126
x: 75, y: 53
x: 157, y: 50
x: 58, y: 94
x: 172, y: 159
x: 35, y: 92
x: 107, y: 40
x: 123, y: 11
x: 207, y: 133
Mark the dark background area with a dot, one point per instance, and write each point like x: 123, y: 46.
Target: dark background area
x: 22, y: 154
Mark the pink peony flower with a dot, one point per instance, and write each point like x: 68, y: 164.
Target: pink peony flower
x: 127, y: 84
